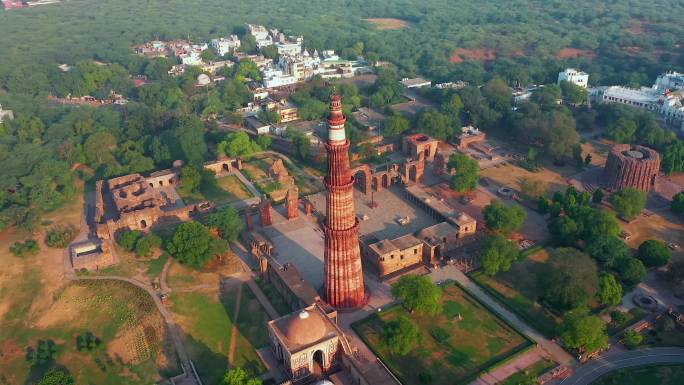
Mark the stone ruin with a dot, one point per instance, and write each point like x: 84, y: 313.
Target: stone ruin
x: 631, y: 166
x: 279, y: 173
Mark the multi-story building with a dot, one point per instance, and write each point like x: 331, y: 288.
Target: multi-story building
x: 291, y: 46
x: 670, y: 81
x: 225, y: 46
x: 261, y: 35
x: 574, y: 76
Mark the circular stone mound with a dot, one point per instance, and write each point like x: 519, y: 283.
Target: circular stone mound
x: 645, y: 301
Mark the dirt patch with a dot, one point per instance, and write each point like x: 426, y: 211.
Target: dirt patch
x: 389, y: 24
x: 510, y: 176
x: 633, y: 50
x: 570, y: 52
x: 464, y: 54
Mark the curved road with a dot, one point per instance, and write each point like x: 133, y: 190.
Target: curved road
x: 590, y: 372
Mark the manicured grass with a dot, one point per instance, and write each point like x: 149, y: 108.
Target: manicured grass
x: 206, y: 327
x: 274, y: 297
x: 456, y: 345
x: 645, y: 375
x: 531, y: 311
x: 226, y: 190
x: 531, y: 372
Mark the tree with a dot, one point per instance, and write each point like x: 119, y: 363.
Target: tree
x: 654, y: 253
x: 193, y: 245
x: 301, y: 144
x: 610, y: 290
x: 498, y: 254
x: 208, y: 55
x: 573, y: 93
x: 189, y: 133
x: 264, y: 141
x: 608, y: 249
x: 238, y: 144
x: 677, y: 204
x: 269, y: 117
x: 673, y: 157
x: 399, y: 336
x: 145, y: 245
x: 228, y: 223
x: 270, y: 52
x: 533, y: 188
x: 238, y: 376
x: 629, y: 202
x: 128, y: 238
x: 504, y: 218
x: 584, y: 332
x: 56, y: 377
x: 465, y: 172
x: 418, y: 293
x: 569, y: 279
x: 597, y: 196
x: 395, y: 125
x: 631, y: 270
x: 435, y: 124
x: 631, y: 339
x: 623, y: 131
x: 564, y: 230
x: 190, y: 177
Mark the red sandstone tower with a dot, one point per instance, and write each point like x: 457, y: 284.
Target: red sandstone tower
x: 343, y: 287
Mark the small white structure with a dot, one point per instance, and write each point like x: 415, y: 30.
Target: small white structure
x: 5, y: 114
x: 415, y: 83
x: 574, y: 76
x: 670, y: 81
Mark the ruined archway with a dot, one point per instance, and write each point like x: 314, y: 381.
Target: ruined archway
x: 363, y: 178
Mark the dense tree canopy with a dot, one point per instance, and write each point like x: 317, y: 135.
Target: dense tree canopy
x: 569, y: 279
x: 610, y: 290
x: 418, y: 293
x: 228, y: 222
x: 629, y: 202
x: 465, y: 174
x: 239, y: 376
x: 504, y: 218
x: 400, y: 335
x: 498, y: 253
x: 193, y: 245
x: 586, y: 333
x: 654, y: 253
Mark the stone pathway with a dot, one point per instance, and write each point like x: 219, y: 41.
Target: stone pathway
x: 234, y: 329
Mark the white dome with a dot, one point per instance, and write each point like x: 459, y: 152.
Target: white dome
x: 203, y: 80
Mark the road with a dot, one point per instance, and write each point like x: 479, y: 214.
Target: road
x: 590, y: 372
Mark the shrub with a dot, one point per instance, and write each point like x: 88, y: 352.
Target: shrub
x: 127, y: 239
x: 632, y: 339
x: 399, y: 336
x: 22, y: 249
x: 145, y: 245
x: 60, y: 237
x: 654, y: 253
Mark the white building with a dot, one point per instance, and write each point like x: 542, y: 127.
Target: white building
x: 224, y: 46
x: 261, y: 35
x: 191, y: 58
x: 574, y: 76
x: 670, y: 81
x: 5, y: 114
x: 277, y: 78
x: 643, y: 98
x: 291, y: 47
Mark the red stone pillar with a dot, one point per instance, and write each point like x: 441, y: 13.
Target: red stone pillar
x: 265, y: 212
x: 343, y: 286
x: 292, y: 203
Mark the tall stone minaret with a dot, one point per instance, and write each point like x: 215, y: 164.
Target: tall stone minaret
x: 343, y: 287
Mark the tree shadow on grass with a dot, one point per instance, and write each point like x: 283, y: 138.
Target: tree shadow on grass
x: 210, y: 366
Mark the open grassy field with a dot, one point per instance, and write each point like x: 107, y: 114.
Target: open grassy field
x: 256, y: 168
x: 206, y: 327
x: 384, y: 24
x: 511, y: 176
x: 227, y: 189
x: 207, y: 318
x: 184, y: 277
x: 644, y: 375
x: 517, y: 289
x: 135, y: 349
x: 456, y: 345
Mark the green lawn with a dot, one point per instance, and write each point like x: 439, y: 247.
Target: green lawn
x: 206, y: 328
x: 531, y: 311
x: 225, y: 190
x: 207, y: 324
x: 451, y: 350
x: 530, y: 373
x: 645, y: 375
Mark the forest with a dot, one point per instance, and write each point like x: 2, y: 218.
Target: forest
x: 490, y: 43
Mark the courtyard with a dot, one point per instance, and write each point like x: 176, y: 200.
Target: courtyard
x: 300, y: 241
x: 221, y: 191
x: 454, y: 346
